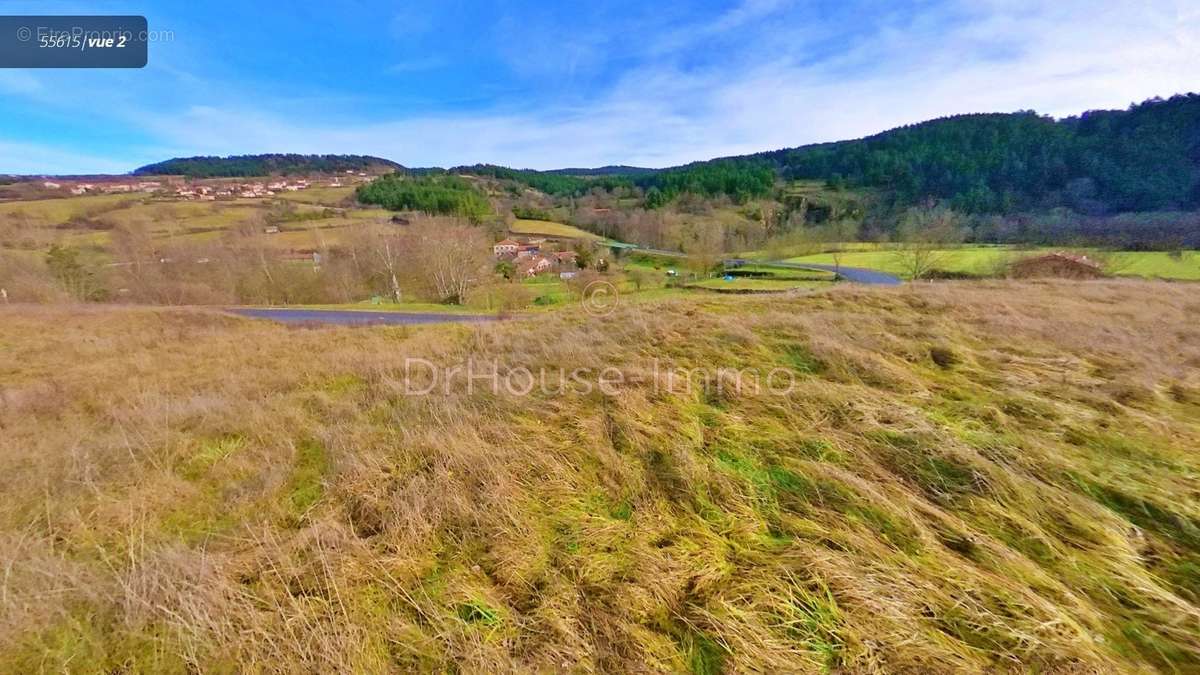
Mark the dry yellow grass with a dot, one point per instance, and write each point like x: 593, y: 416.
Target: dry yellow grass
x: 966, y: 478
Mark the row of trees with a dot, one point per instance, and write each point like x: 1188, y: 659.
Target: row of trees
x: 740, y: 181
x: 550, y: 182
x: 433, y: 195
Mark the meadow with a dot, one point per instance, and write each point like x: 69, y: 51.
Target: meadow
x: 87, y: 222
x: 547, y: 228
x: 952, y: 478
x: 987, y: 260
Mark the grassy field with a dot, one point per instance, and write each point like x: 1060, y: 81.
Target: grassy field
x: 550, y: 229
x: 52, y: 211
x: 985, y: 260
x: 548, y: 292
x: 979, y: 260
x: 1158, y: 264
x: 951, y: 478
x: 328, y: 196
x: 180, y: 222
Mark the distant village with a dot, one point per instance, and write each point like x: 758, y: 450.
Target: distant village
x: 529, y: 256
x: 204, y: 189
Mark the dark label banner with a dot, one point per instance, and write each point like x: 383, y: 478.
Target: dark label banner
x: 73, y: 41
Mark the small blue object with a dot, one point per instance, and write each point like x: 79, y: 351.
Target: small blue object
x: 728, y: 277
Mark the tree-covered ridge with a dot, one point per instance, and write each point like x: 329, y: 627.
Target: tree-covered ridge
x: 550, y: 182
x: 1146, y: 158
x: 239, y: 166
x: 432, y: 194
x: 737, y: 179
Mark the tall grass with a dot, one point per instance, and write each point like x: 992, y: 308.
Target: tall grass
x: 966, y: 478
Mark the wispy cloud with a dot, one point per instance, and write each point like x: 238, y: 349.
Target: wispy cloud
x: 785, y: 88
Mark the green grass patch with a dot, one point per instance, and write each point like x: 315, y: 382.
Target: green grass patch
x: 704, y: 656
x: 87, y: 642
x: 1181, y: 529
x: 800, y: 358
x: 306, y: 485
x: 477, y: 612
x: 209, y: 453
x: 811, y: 617
x: 986, y: 260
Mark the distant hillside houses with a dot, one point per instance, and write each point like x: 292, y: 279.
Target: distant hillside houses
x: 105, y: 187
x: 199, y: 190
x: 247, y: 190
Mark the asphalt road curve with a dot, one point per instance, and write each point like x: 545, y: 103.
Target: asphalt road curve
x: 352, y: 317
x: 860, y: 275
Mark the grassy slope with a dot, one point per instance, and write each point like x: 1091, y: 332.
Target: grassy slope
x: 984, y: 260
x: 1158, y: 264
x: 52, y: 211
x: 550, y: 229
x: 182, y: 222
x: 187, y: 488
x: 331, y: 196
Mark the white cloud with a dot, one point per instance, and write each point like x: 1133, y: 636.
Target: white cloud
x: 967, y: 56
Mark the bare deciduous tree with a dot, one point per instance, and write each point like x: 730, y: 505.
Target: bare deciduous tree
x: 443, y: 260
x: 924, y: 235
x: 704, y: 248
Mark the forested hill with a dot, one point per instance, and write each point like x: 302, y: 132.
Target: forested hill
x: 264, y: 165
x: 1146, y: 158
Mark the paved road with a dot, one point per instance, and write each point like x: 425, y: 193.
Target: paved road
x: 353, y: 318
x: 859, y: 275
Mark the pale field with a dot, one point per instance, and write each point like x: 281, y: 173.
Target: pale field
x: 550, y: 229
x: 963, y: 478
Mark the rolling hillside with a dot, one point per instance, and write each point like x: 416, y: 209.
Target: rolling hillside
x: 1146, y: 158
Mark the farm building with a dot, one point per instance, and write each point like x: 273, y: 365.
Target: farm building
x: 534, y: 266
x: 506, y: 247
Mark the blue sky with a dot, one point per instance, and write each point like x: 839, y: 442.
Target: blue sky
x: 545, y: 85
